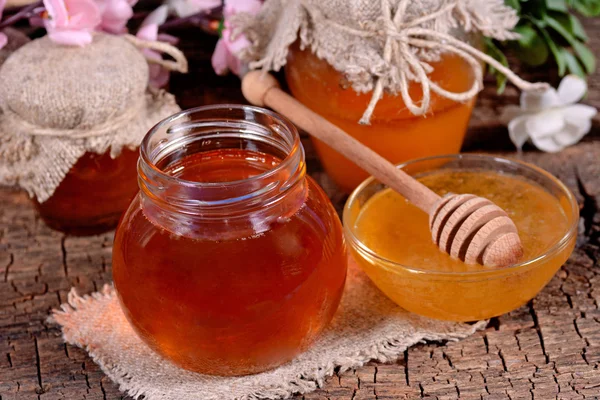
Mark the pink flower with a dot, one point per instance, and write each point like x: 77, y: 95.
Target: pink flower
x: 115, y: 14
x: 3, y: 37
x: 71, y: 22
x: 225, y: 57
x: 159, y: 76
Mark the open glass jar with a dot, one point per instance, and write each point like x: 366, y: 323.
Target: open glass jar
x: 74, y: 207
x: 394, y: 132
x: 230, y: 260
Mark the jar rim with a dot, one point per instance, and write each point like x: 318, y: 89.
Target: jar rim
x: 285, y: 163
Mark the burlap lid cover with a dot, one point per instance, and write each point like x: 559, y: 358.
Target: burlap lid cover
x: 59, y: 102
x: 380, y: 45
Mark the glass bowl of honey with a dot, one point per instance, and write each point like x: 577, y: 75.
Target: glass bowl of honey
x: 390, y: 238
x: 230, y: 260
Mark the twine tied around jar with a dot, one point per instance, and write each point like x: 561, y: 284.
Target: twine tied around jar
x: 180, y: 63
x: 14, y: 120
x: 400, y: 35
x: 382, y: 45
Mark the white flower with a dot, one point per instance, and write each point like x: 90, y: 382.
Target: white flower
x: 551, y: 119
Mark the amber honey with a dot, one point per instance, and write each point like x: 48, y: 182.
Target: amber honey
x: 93, y: 194
x: 239, y: 290
x: 394, y: 132
x: 397, y: 252
x: 389, y: 219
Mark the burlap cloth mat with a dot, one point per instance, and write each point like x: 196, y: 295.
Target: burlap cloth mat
x: 366, y: 327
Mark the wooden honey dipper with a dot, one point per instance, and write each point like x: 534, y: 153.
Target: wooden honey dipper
x: 468, y: 227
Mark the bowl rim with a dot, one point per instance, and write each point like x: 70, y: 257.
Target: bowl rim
x: 355, y: 242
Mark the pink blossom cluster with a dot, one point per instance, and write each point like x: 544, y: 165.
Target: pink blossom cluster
x: 226, y: 55
x: 72, y: 22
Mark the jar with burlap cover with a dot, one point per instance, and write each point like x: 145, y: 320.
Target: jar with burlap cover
x: 59, y: 102
x: 381, y: 45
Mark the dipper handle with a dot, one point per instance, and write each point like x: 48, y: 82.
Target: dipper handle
x: 467, y: 227
x: 262, y: 89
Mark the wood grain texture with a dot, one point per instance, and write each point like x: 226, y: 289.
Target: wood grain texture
x: 547, y: 349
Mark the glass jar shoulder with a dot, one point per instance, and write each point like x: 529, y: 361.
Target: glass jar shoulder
x: 314, y: 225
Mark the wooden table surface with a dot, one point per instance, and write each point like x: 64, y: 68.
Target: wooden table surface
x: 548, y: 349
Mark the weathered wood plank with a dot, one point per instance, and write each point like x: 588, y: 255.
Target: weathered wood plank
x: 549, y: 348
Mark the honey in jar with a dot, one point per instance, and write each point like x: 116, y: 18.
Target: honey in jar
x: 93, y: 194
x: 391, y: 240
x: 230, y: 260
x: 394, y: 132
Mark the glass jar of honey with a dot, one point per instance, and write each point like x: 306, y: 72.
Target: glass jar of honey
x: 394, y: 132
x: 230, y: 260
x: 93, y: 194
x: 71, y: 139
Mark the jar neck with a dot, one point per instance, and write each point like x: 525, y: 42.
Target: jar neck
x: 224, y: 209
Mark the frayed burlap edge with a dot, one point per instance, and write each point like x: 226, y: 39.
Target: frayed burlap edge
x: 39, y: 163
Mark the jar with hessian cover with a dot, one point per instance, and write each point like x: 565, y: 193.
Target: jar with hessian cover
x: 401, y: 76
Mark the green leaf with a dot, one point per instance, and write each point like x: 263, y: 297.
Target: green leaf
x: 560, y: 29
x: 528, y: 35
x: 495, y: 51
x: 550, y: 28
x: 557, y: 5
x: 514, y: 4
x: 221, y: 27
x: 577, y: 28
x: 558, y: 57
x: 501, y: 82
x: 534, y: 20
x: 531, y: 48
x: 588, y: 8
x: 538, y: 9
x: 570, y: 23
x: 572, y: 63
x: 532, y: 8
x: 586, y: 56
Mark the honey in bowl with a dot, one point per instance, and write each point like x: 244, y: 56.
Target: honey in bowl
x: 391, y: 240
x: 230, y: 261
